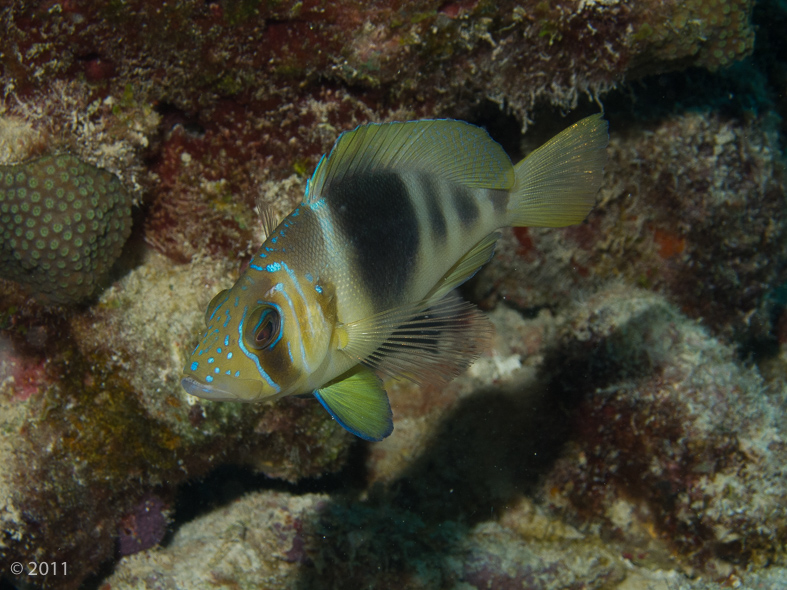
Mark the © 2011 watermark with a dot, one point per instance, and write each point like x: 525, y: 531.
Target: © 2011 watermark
x: 40, y: 568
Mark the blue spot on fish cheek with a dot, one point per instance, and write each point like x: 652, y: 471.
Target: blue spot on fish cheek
x: 218, y: 351
x: 226, y: 341
x: 256, y: 267
x: 209, y: 379
x: 210, y: 360
x: 237, y: 301
x: 217, y: 370
x: 273, y: 267
x: 194, y: 365
x: 309, y: 277
x: 318, y: 289
x: 228, y: 372
x: 237, y: 373
x: 229, y: 355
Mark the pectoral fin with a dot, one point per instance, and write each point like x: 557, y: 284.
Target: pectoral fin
x: 431, y: 345
x: 359, y: 403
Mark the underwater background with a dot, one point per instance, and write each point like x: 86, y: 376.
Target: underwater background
x: 626, y: 430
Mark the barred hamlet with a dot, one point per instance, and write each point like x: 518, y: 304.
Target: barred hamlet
x: 357, y: 281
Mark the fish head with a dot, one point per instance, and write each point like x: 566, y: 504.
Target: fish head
x: 263, y: 341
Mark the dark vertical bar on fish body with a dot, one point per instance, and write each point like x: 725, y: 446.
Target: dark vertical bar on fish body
x: 430, y: 193
x: 375, y: 214
x: 466, y: 205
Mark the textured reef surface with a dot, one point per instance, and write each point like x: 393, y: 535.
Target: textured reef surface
x: 64, y: 224
x: 626, y: 429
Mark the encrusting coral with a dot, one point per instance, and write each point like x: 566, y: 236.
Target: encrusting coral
x: 672, y: 440
x: 288, y: 541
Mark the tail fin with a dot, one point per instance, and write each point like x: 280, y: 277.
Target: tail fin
x: 556, y: 185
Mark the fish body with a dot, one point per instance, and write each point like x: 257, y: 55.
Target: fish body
x: 357, y: 281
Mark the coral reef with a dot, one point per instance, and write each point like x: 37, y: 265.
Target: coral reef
x: 605, y: 443
x: 709, y: 33
x: 690, y: 207
x: 89, y: 431
x: 671, y: 461
x: 195, y: 52
x: 672, y: 440
x: 63, y: 225
x: 229, y: 111
x: 313, y: 541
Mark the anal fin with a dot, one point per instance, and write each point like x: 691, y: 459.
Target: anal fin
x: 359, y: 403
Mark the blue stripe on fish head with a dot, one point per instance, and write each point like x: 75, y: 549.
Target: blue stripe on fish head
x: 274, y: 327
x: 253, y: 357
x: 213, y: 371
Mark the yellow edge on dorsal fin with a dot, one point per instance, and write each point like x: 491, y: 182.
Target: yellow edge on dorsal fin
x: 453, y: 150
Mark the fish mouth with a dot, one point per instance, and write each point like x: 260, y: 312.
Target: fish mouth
x: 239, y: 390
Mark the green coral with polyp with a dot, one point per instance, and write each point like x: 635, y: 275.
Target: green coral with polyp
x: 63, y: 224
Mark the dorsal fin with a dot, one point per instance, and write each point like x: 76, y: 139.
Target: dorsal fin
x: 454, y: 150
x: 267, y: 216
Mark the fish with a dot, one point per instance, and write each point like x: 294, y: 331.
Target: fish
x: 358, y: 282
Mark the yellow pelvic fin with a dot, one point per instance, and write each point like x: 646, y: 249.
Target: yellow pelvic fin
x: 359, y: 403
x: 556, y: 185
x: 423, y: 343
x: 453, y: 150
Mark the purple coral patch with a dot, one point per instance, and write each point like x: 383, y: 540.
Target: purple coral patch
x: 143, y: 527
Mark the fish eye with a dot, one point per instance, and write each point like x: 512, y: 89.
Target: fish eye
x: 263, y: 329
x: 220, y: 297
